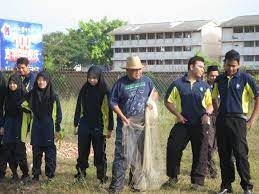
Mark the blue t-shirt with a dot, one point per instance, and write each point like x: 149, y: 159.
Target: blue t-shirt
x: 131, y: 96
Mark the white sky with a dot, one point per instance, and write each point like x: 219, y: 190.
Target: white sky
x: 57, y: 15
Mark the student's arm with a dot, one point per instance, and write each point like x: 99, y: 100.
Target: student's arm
x: 209, y: 107
x: 254, y: 114
x: 110, y: 116
x: 114, y: 101
x: 78, y: 111
x: 2, y: 97
x: 171, y: 97
x: 58, y: 115
x: 253, y: 91
x: 214, y: 96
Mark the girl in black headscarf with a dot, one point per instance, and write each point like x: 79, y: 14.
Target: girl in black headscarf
x: 94, y: 120
x: 47, y: 116
x: 15, y: 127
x: 3, y: 149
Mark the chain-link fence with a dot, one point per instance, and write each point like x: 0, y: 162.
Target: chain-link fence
x: 68, y: 83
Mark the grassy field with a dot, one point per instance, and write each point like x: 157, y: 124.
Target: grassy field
x: 65, y: 183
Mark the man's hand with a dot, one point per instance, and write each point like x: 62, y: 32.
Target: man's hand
x: 125, y: 120
x: 181, y: 119
x: 1, y: 131
x: 205, y: 119
x: 57, y: 136
x: 250, y: 123
x: 109, y: 134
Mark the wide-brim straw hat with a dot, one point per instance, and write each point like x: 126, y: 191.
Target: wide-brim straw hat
x: 133, y: 62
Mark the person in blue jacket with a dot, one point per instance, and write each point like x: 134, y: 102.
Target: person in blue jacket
x: 46, y: 109
x: 3, y: 149
x: 23, y: 69
x: 94, y: 120
x: 15, y: 127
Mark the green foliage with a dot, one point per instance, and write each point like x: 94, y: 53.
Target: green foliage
x: 89, y: 44
x: 208, y: 61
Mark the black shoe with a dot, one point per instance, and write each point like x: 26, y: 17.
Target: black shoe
x: 104, y: 180
x: 225, y: 190
x: 171, y: 182
x: 112, y: 191
x: 25, y: 178
x: 79, y: 175
x: 248, y: 191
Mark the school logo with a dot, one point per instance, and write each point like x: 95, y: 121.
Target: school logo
x: 238, y: 86
x: 201, y: 89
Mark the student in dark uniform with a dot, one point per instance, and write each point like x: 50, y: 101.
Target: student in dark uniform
x: 3, y: 149
x: 23, y: 69
x: 15, y: 127
x: 128, y: 99
x: 212, y: 73
x: 47, y: 116
x: 94, y: 120
x: 234, y: 88
x: 189, y: 99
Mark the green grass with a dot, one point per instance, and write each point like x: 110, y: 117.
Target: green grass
x: 65, y: 183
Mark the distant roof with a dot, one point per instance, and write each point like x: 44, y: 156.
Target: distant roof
x: 161, y: 27
x: 247, y: 20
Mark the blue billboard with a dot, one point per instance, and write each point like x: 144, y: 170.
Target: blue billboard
x: 20, y: 39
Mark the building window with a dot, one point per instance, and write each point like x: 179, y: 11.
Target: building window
x: 168, y: 48
x: 126, y: 50
x: 187, y: 34
x: 248, y: 57
x: 142, y: 36
x: 249, y: 29
x: 257, y: 43
x: 134, y: 36
x: 142, y: 49
x: 248, y: 43
x: 159, y: 36
x: 177, y: 61
x: 187, y: 48
x: 117, y: 50
x: 159, y: 49
x: 178, y: 35
x: 125, y: 37
x: 151, y: 36
x: 257, y: 28
x: 144, y: 62
x: 168, y: 35
x: 238, y: 29
x: 117, y: 37
x: 151, y: 49
x: 177, y: 48
x: 159, y: 62
x: 134, y: 50
x: 151, y: 62
x: 185, y: 61
x: 168, y: 61
x: 256, y: 58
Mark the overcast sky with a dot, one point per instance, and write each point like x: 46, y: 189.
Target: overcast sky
x: 57, y: 15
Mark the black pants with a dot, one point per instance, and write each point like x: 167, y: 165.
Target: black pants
x: 3, y: 158
x: 17, y: 156
x: 50, y: 160
x: 212, y: 145
x: 99, y: 145
x: 231, y: 137
x: 177, y: 141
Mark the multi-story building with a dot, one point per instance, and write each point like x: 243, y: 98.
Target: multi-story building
x: 242, y: 34
x: 166, y: 46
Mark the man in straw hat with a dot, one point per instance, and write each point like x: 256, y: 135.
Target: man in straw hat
x: 128, y: 100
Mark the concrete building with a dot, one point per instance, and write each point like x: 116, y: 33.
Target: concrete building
x: 166, y: 46
x: 242, y: 34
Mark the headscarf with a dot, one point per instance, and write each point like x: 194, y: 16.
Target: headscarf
x: 41, y: 100
x: 14, y: 99
x: 92, y: 96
